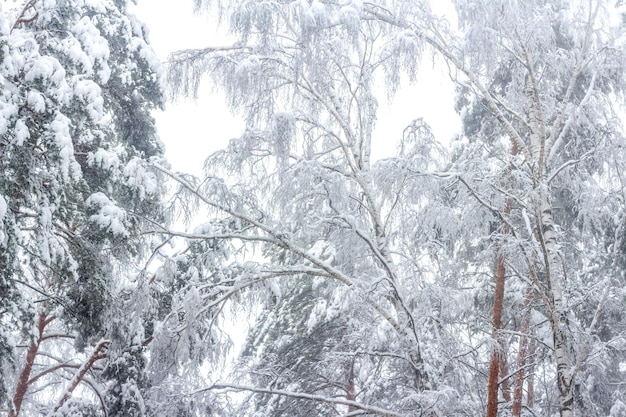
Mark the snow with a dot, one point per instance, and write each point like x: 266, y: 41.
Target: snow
x: 350, y: 16
x: 7, y: 112
x: 96, y: 5
x: 329, y: 216
x: 36, y: 101
x: 618, y: 409
x: 46, y: 68
x: 95, y: 48
x: 109, y: 217
x: 276, y: 290
x: 316, y: 315
x: 323, y: 250
x: 21, y: 132
x: 72, y: 47
x: 145, y: 52
x: 319, y: 11
x: 90, y: 93
x: 61, y: 128
x: 105, y: 159
x: 140, y: 178
x: 3, y: 207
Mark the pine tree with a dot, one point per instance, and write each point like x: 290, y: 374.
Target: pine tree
x: 78, y: 83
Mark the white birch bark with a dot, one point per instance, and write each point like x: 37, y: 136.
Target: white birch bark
x: 558, y: 316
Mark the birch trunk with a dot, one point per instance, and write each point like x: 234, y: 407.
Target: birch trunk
x: 557, y: 314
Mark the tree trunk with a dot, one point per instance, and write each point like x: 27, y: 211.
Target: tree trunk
x: 31, y: 354
x: 530, y: 381
x: 497, y: 364
x: 563, y: 375
x: 557, y: 315
x: 522, y: 357
x: 350, y: 387
x: 505, y: 385
x: 494, y: 364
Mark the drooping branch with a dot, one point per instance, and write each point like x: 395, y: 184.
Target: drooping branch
x: 302, y: 396
x: 274, y: 237
x: 473, y: 78
x: 556, y: 130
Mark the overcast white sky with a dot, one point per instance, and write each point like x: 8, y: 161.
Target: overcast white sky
x: 192, y: 130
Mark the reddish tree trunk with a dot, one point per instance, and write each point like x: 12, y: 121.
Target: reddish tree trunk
x: 494, y: 365
x: 505, y: 385
x: 518, y: 391
x: 31, y: 354
x: 497, y: 364
x: 82, y: 371
x: 530, y: 381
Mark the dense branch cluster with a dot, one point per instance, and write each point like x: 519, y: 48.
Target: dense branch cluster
x: 478, y: 275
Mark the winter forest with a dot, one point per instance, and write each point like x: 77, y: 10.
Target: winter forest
x: 302, y: 274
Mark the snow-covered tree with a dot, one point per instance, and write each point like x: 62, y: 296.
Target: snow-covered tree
x: 545, y: 80
x: 76, y: 137
x: 370, y: 281
x: 349, y: 252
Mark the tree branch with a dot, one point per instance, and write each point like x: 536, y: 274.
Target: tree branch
x: 31, y: 354
x: 22, y: 16
x: 302, y: 396
x: 82, y: 371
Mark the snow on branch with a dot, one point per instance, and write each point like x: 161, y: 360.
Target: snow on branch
x: 302, y: 396
x: 98, y: 353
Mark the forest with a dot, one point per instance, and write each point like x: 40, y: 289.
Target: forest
x: 302, y: 274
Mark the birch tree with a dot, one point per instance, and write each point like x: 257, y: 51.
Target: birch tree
x: 553, y: 91
x: 376, y: 249
x: 300, y: 189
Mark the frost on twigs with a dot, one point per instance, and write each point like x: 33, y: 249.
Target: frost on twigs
x: 282, y: 131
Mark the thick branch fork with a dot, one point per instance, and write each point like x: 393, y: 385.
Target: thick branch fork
x: 25, y: 380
